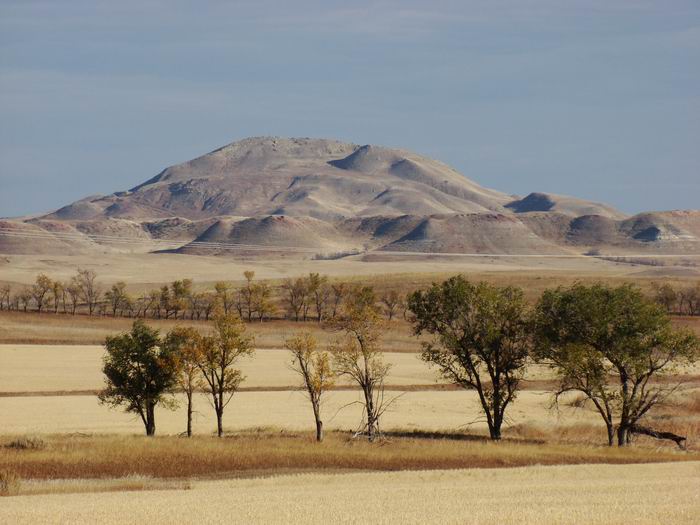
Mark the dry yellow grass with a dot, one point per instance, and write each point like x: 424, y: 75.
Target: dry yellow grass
x: 146, y: 270
x: 130, y: 483
x: 269, y: 451
x: 424, y: 411
x: 52, y: 329
x: 584, y: 494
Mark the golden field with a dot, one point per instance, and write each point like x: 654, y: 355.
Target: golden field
x: 60, y: 329
x: 268, y: 469
x: 52, y: 368
x: 590, y: 494
x: 420, y: 410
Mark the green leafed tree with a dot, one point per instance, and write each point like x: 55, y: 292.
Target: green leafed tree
x: 611, y: 344
x: 481, y: 340
x: 139, y: 373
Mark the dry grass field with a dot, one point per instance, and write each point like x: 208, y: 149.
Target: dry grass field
x: 149, y: 269
x: 590, y: 494
x: 269, y: 469
x: 263, y: 452
x: 55, y: 368
x: 427, y: 410
x: 52, y: 329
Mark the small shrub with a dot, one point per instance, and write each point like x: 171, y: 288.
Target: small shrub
x: 9, y: 483
x: 27, y: 443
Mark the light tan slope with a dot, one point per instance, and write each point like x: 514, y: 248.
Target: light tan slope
x: 42, y: 237
x: 473, y: 233
x: 273, y: 231
x: 339, y: 196
x: 550, y: 202
x: 306, y: 177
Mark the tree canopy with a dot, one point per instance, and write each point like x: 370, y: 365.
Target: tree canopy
x: 611, y: 343
x: 139, y: 372
x: 481, y: 339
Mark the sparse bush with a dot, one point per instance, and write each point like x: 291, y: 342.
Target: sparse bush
x: 27, y: 443
x: 9, y: 483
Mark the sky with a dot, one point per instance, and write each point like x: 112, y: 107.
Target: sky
x: 598, y: 98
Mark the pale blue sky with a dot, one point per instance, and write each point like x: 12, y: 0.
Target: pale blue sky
x: 597, y: 98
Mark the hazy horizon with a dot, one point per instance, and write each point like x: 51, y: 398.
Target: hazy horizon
x: 599, y: 100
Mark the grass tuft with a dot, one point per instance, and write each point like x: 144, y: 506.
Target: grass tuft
x: 9, y: 483
x: 27, y: 443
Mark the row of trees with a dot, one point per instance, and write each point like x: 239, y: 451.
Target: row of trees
x: 46, y: 294
x: 142, y: 369
x: 683, y: 301
x: 312, y: 297
x: 608, y: 344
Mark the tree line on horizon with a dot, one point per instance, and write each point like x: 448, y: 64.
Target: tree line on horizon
x: 612, y: 346
x: 311, y: 297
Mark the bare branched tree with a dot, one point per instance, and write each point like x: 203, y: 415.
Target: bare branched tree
x: 40, y: 289
x: 314, y: 367
x: 357, y: 354
x: 86, y: 282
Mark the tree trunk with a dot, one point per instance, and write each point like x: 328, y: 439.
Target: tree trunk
x: 189, y: 414
x: 611, y: 433
x: 622, y: 436
x: 495, y: 430
x: 150, y: 418
x: 679, y: 440
x: 219, y: 422
x: 371, y: 419
x: 319, y: 430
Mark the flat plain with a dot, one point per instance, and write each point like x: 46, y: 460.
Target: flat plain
x: 591, y: 494
x: 434, y: 465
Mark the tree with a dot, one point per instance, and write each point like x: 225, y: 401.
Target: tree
x: 145, y: 302
x: 610, y: 344
x: 357, y: 353
x: 139, y: 373
x: 338, y: 292
x: 5, y: 292
x: 196, y: 304
x: 262, y: 301
x: 317, y: 288
x: 210, y: 304
x: 665, y: 295
x: 58, y: 295
x: 392, y: 302
x: 296, y: 294
x: 224, y: 295
x: 314, y: 367
x: 85, y: 281
x: 481, y: 340
x: 74, y: 294
x: 690, y: 299
x: 181, y: 290
x: 247, y: 293
x: 116, y: 297
x: 186, y: 345
x: 217, y: 358
x: 24, y: 298
x: 164, y: 301
x: 41, y: 287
